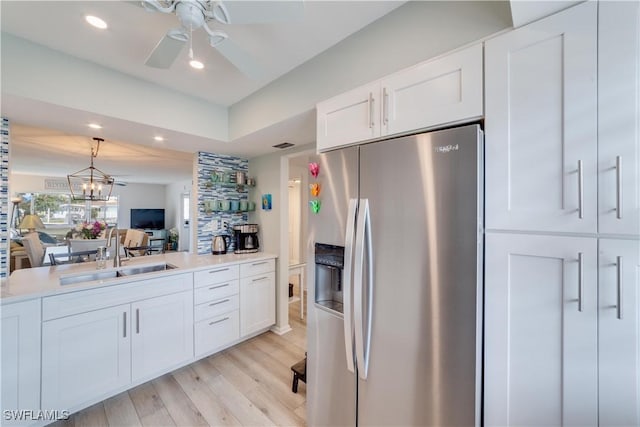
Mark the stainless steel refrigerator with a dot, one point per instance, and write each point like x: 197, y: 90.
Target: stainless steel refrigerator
x: 395, y: 283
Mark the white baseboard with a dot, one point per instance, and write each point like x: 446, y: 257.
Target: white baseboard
x: 281, y: 330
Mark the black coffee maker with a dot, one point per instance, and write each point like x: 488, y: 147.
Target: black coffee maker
x: 246, y: 238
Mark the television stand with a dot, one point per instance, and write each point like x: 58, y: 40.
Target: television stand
x: 157, y: 240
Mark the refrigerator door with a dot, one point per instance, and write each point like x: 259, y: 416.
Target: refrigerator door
x: 331, y: 391
x: 425, y: 198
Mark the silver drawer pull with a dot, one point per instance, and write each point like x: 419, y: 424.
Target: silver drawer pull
x: 124, y: 324
x: 219, y: 286
x: 137, y: 320
x: 580, y: 191
x: 218, y: 321
x: 259, y: 263
x: 259, y: 279
x: 580, y: 280
x: 218, y: 271
x: 619, y: 271
x: 219, y: 302
x: 619, y: 187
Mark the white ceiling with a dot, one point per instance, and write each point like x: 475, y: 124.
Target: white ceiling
x: 124, y: 46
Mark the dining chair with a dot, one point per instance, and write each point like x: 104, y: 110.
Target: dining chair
x: 34, y: 248
x: 72, y: 257
x: 136, y: 243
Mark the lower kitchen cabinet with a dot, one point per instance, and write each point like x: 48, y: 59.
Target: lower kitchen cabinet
x: 257, y: 302
x: 162, y: 333
x: 216, y: 333
x: 20, y: 379
x: 541, y: 330
x: 85, y: 356
x: 619, y: 332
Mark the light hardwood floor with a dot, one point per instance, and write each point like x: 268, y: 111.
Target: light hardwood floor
x: 246, y: 385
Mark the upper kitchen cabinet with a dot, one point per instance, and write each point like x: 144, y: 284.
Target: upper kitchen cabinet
x: 445, y: 90
x: 619, y: 117
x: 541, y: 124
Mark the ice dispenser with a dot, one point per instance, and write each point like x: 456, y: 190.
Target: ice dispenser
x: 329, y: 264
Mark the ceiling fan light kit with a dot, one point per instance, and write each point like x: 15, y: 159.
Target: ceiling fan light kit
x: 95, y: 184
x: 193, y: 15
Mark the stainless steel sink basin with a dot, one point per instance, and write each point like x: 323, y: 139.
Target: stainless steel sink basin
x: 130, y: 271
x: 110, y: 274
x: 88, y: 277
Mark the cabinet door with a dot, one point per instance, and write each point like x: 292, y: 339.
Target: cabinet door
x: 85, y: 356
x: 540, y: 124
x: 257, y: 302
x: 162, y: 330
x: 348, y: 118
x: 442, y: 91
x: 20, y: 357
x: 619, y: 117
x: 540, y: 331
x: 619, y: 332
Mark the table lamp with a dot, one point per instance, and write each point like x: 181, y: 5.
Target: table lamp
x: 31, y: 222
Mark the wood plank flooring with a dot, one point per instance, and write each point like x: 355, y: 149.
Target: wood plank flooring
x: 246, y: 385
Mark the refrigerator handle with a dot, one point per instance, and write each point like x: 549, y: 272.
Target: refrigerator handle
x: 363, y: 307
x: 347, y: 287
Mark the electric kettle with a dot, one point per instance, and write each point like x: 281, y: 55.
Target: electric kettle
x: 219, y: 244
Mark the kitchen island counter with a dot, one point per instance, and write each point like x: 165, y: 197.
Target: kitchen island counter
x: 40, y: 282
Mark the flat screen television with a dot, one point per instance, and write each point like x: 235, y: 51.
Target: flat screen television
x: 150, y: 219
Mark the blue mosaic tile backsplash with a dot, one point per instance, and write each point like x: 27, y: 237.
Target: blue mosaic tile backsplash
x: 4, y: 196
x: 211, y: 223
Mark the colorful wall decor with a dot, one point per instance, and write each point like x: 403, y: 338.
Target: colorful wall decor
x: 266, y: 202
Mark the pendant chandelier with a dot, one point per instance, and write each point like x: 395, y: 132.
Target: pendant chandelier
x: 91, y: 183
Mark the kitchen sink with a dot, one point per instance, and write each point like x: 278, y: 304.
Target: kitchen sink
x: 110, y: 274
x: 130, y: 271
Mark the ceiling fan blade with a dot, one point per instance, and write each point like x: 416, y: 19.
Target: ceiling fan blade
x: 257, y: 12
x: 165, y: 52
x: 240, y: 59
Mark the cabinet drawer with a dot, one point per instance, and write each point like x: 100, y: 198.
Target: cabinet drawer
x: 257, y: 267
x: 215, y: 291
x: 216, y: 333
x: 215, y: 275
x: 94, y: 299
x: 217, y: 307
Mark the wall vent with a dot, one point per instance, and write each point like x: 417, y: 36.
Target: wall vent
x: 283, y: 145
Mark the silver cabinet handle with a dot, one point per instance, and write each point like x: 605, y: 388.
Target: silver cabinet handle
x: 218, y: 271
x: 219, y: 302
x: 371, y: 124
x: 619, y: 271
x: 259, y: 263
x: 137, y: 320
x: 219, y: 286
x: 619, y: 187
x: 580, y: 190
x: 385, y: 106
x: 124, y: 324
x: 347, y: 287
x: 260, y: 279
x: 580, y: 281
x: 218, y: 321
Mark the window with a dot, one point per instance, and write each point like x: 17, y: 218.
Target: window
x: 59, y: 211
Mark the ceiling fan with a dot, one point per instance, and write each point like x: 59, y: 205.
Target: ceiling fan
x: 202, y: 14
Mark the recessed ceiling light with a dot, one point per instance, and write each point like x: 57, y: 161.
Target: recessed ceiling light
x: 158, y: 138
x: 196, y: 64
x: 96, y: 22
x: 94, y: 126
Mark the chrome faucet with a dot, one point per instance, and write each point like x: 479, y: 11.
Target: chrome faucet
x: 116, y: 258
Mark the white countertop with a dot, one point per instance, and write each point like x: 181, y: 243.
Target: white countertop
x: 39, y: 282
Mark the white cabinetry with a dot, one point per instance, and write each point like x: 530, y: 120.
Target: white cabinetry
x: 98, y: 341
x: 619, y: 332
x: 441, y: 91
x: 162, y: 334
x: 545, y: 363
x: 217, y: 321
x: 20, y: 357
x: 85, y: 356
x: 541, y: 124
x: 257, y: 296
x: 619, y: 117
x: 541, y: 332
